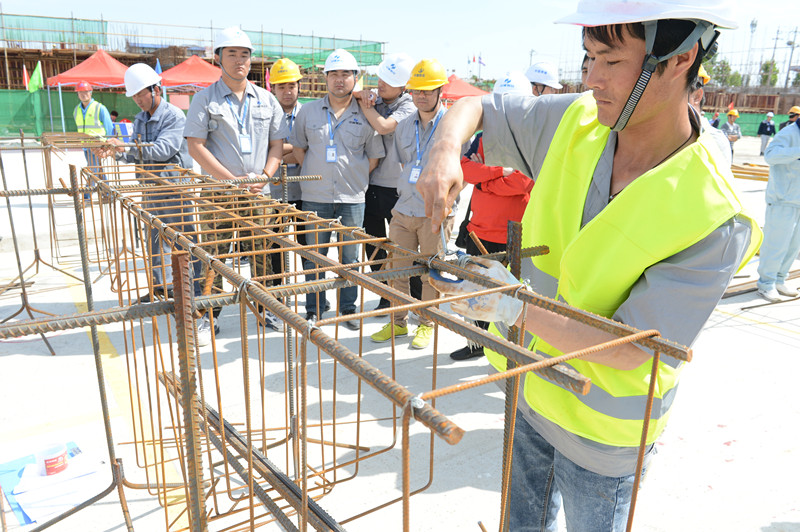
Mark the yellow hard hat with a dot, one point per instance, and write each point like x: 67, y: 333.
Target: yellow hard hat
x: 702, y: 74
x: 284, y: 71
x: 795, y: 110
x: 733, y: 112
x: 427, y: 75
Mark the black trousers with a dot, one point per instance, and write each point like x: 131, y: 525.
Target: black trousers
x: 378, y: 207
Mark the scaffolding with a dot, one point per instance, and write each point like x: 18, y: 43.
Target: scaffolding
x: 271, y: 447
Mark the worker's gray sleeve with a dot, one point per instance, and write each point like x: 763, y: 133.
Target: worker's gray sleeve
x: 677, y: 295
x: 169, y: 139
x: 517, y: 130
x: 298, y: 137
x: 197, y: 117
x: 374, y: 146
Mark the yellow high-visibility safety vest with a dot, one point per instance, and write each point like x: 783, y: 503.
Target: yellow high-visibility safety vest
x: 661, y: 213
x: 91, y: 123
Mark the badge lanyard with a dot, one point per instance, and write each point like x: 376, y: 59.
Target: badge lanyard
x: 290, y: 118
x: 416, y: 170
x: 330, y: 151
x: 244, y: 138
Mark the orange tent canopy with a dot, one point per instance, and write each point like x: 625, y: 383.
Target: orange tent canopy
x: 458, y: 88
x: 193, y: 72
x: 99, y: 70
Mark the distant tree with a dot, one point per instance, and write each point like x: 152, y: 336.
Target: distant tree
x: 769, y: 73
x: 796, y: 82
x: 721, y: 72
x: 735, y: 80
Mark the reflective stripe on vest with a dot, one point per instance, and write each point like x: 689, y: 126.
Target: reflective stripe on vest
x: 90, y: 124
x: 597, y: 265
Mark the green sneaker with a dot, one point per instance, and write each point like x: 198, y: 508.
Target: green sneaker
x: 422, y: 337
x: 385, y: 334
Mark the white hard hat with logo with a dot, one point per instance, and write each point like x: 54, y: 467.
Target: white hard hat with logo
x: 396, y: 69
x: 544, y: 73
x: 232, y: 36
x: 138, y: 77
x: 513, y: 82
x: 341, y: 59
x: 707, y: 15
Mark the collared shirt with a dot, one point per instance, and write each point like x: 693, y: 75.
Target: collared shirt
x: 346, y: 180
x: 731, y: 130
x: 276, y: 191
x: 212, y: 118
x: 388, y: 171
x: 410, y: 201
x: 675, y: 296
x: 164, y: 130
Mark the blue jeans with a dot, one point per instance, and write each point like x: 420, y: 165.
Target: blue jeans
x: 353, y: 216
x: 541, y: 478
x: 781, y: 244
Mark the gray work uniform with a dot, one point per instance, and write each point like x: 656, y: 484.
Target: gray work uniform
x: 164, y: 130
x: 291, y: 169
x: 218, y: 117
x: 410, y: 202
x: 213, y: 118
x: 675, y: 296
x: 346, y: 179
x: 388, y: 171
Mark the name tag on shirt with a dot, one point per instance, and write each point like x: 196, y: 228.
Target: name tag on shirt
x: 245, y: 144
x: 330, y: 154
x: 414, y: 175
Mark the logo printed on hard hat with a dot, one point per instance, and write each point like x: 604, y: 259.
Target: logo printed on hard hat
x: 392, y: 68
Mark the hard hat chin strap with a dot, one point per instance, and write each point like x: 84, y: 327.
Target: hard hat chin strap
x: 704, y: 32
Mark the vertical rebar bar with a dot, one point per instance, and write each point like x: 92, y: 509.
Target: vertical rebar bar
x: 182, y: 289
x: 514, y: 249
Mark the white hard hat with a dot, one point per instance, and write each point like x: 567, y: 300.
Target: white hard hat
x: 544, y: 73
x: 138, y: 77
x: 341, y: 59
x: 514, y: 82
x: 232, y: 36
x: 607, y: 12
x: 396, y: 69
x: 770, y: 114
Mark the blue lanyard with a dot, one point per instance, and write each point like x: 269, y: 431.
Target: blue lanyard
x: 240, y: 118
x: 433, y: 129
x: 331, y: 129
x: 290, y: 118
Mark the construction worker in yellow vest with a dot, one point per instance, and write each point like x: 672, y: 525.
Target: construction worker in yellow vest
x: 643, y: 228
x: 91, y: 116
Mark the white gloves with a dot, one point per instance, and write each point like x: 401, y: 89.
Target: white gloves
x: 490, y: 307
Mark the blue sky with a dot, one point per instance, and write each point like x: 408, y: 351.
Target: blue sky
x: 508, y: 34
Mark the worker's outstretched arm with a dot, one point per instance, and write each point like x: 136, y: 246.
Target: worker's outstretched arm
x: 442, y: 179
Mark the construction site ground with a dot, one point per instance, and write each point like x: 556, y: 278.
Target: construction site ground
x: 728, y: 461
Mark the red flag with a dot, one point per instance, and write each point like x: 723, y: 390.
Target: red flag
x: 730, y: 106
x: 473, y: 59
x: 25, y: 75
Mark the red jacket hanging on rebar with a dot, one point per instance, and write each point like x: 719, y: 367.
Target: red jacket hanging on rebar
x: 495, y: 199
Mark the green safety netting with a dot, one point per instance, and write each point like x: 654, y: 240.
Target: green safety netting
x: 749, y: 122
x: 308, y: 51
x: 28, y: 28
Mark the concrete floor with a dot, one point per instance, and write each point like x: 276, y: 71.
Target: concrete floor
x: 728, y: 461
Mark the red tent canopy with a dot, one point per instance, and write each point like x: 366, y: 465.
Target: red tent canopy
x: 100, y: 70
x: 458, y: 88
x: 193, y: 72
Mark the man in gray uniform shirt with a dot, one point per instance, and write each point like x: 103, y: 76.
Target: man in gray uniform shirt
x: 160, y: 124
x: 643, y: 227
x: 384, y: 111
x: 332, y: 138
x: 234, y: 130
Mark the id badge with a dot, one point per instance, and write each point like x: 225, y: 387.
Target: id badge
x: 414, y: 175
x: 330, y: 154
x: 245, y: 144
